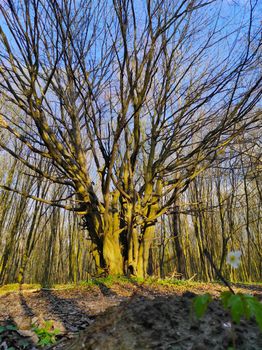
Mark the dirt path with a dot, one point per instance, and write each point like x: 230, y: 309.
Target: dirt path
x: 126, y: 316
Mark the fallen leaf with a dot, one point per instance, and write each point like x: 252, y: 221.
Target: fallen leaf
x: 29, y: 334
x: 23, y: 323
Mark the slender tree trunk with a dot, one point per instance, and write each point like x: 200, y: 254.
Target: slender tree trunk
x: 181, y: 263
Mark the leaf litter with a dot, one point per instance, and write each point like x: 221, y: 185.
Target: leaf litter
x: 123, y: 316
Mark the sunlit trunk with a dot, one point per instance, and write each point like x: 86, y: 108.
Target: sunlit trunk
x: 112, y: 254
x: 143, y: 252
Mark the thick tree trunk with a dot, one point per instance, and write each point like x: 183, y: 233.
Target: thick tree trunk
x: 120, y: 246
x: 114, y: 262
x: 115, y: 256
x: 106, y: 245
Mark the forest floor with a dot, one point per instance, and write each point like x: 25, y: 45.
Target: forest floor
x: 122, y: 315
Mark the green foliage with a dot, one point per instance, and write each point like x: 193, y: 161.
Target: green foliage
x: 242, y: 305
x: 200, y: 304
x: 9, y: 334
x: 234, y: 303
x: 9, y: 327
x: 171, y: 281
x: 108, y: 281
x: 255, y: 308
x: 239, y: 305
x: 16, y: 287
x: 4, y: 329
x: 46, y: 334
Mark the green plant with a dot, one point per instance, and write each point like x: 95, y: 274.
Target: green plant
x: 8, y: 327
x: 200, y: 304
x: 9, y: 334
x: 4, y: 330
x: 240, y: 305
x: 47, y: 333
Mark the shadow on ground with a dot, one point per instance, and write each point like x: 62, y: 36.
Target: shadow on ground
x: 105, y: 290
x: 166, y: 323
x: 73, y: 317
x: 128, y: 316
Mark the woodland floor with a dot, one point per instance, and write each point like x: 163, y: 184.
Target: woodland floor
x: 123, y: 316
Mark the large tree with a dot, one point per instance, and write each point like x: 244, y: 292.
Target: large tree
x: 124, y: 102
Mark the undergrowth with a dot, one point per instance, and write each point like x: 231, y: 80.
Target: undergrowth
x: 110, y: 280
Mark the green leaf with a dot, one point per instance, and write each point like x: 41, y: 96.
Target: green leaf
x: 44, y: 341
x: 56, y: 331
x: 224, y: 296
x: 257, y: 311
x: 48, y: 325
x: 39, y: 331
x: 11, y: 327
x: 250, y: 305
x: 23, y: 343
x: 236, y: 306
x: 200, y: 304
x: 46, y: 335
x: 243, y: 305
x: 2, y: 329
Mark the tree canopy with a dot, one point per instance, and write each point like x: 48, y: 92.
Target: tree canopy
x: 123, y: 104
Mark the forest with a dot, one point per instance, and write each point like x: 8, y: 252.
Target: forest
x: 130, y: 153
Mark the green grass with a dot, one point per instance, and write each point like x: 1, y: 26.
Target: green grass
x: 151, y: 281
x: 249, y: 283
x: 110, y: 280
x: 15, y: 287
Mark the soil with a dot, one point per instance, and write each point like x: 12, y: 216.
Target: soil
x: 125, y: 316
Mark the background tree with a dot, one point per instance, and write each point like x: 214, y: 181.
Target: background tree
x: 123, y: 105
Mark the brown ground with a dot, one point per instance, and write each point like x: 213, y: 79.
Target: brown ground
x: 125, y: 316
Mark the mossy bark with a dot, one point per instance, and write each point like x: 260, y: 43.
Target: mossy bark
x: 120, y: 239
x: 113, y: 255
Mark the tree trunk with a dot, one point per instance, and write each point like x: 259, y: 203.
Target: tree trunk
x: 181, y: 262
x: 143, y: 252
x: 114, y: 262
